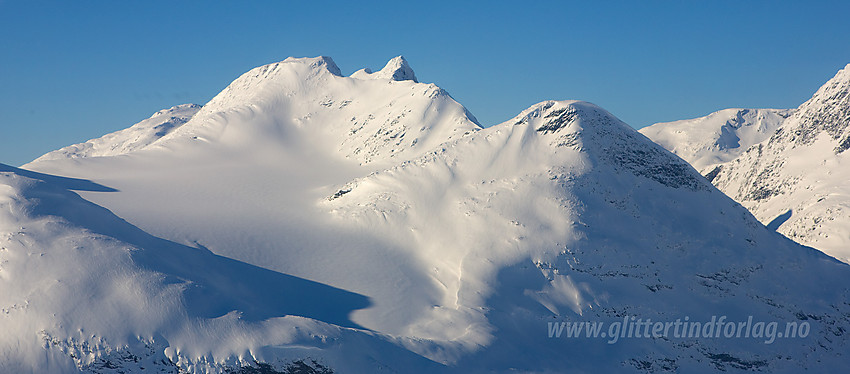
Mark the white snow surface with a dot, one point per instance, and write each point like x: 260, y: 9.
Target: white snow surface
x: 85, y: 291
x: 130, y: 139
x: 717, y: 138
x: 368, y: 223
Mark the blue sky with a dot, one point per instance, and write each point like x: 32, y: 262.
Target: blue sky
x: 74, y: 70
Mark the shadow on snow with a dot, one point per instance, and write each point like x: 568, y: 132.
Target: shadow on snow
x: 216, y: 285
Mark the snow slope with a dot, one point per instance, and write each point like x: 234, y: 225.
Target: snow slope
x: 798, y: 179
x: 464, y: 241
x: 83, y: 290
x: 363, y: 118
x: 717, y: 138
x: 130, y: 139
x: 566, y: 212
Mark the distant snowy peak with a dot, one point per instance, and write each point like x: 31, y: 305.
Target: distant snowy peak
x: 797, y: 180
x: 718, y: 137
x: 785, y: 166
x: 396, y: 69
x: 130, y: 139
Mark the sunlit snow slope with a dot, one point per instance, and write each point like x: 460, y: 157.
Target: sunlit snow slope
x: 438, y: 246
x: 83, y: 290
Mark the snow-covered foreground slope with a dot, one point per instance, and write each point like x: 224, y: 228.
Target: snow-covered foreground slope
x: 717, y: 138
x: 83, y: 290
x: 433, y: 245
x: 130, y: 139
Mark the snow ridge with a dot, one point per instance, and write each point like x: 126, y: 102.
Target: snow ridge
x: 719, y: 137
x: 136, y: 137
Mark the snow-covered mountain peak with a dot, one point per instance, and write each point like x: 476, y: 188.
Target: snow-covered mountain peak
x: 606, y: 140
x: 563, y: 172
x: 303, y: 102
x: 552, y: 116
x: 827, y: 111
x: 306, y: 101
x: 397, y: 69
x: 843, y: 76
x: 320, y: 62
x: 794, y: 181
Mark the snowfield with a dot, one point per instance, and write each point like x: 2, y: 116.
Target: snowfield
x: 307, y: 222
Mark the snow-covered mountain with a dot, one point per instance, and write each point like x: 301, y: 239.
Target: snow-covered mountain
x: 130, y: 139
x: 793, y: 175
x: 717, y: 138
x: 365, y: 118
x: 367, y: 224
x: 798, y: 180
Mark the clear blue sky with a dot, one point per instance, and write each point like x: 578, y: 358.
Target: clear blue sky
x: 74, y: 70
